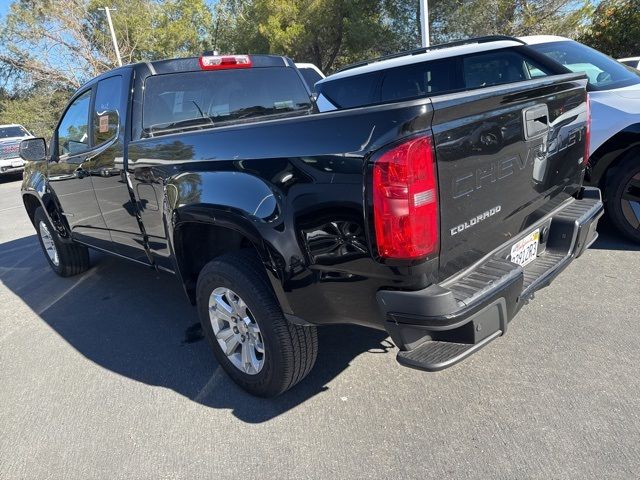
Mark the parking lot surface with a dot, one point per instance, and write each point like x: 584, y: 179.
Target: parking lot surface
x: 105, y: 376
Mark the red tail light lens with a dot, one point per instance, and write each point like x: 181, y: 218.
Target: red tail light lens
x: 587, y: 136
x: 405, y: 200
x: 221, y: 62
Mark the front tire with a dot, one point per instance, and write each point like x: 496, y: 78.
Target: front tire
x: 248, y: 333
x: 66, y: 259
x: 623, y: 197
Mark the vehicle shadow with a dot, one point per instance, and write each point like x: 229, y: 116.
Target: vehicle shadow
x: 10, y: 177
x: 610, y: 239
x: 138, y: 323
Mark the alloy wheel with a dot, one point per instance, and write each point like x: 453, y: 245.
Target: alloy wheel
x: 49, y: 244
x: 236, y: 331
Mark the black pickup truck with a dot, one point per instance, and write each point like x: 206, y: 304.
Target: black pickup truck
x: 435, y: 219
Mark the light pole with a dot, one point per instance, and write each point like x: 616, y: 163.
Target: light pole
x: 107, y: 10
x: 424, y: 22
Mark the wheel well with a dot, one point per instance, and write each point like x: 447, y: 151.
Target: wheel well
x: 31, y: 204
x: 196, y: 244
x: 611, y: 169
x: 606, y: 159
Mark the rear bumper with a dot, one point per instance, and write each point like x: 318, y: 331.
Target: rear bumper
x: 453, y: 319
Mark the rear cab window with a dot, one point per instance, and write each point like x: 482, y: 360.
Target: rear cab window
x: 203, y: 99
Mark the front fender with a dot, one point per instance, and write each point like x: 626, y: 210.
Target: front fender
x: 36, y: 192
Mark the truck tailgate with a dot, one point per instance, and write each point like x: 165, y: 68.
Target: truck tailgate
x: 506, y: 156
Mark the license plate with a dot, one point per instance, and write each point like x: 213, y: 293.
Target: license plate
x: 526, y: 250
x: 17, y: 163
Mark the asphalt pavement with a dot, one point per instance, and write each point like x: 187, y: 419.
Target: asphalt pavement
x: 105, y: 376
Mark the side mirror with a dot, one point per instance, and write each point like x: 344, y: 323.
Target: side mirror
x: 33, y: 150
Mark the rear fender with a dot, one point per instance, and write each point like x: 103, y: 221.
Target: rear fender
x: 237, y: 202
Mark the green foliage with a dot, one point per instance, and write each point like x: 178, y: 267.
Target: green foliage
x: 37, y: 110
x: 453, y: 19
x: 50, y: 47
x: 150, y: 30
x: 615, y: 28
x: 328, y: 33
x: 67, y: 42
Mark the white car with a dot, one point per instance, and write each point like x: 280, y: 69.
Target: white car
x: 10, y: 138
x: 633, y: 62
x: 614, y: 160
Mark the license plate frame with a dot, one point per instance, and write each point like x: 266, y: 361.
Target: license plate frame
x: 525, y: 250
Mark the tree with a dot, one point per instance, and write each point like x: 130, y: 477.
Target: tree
x: 38, y: 109
x: 615, y: 28
x: 454, y: 19
x: 66, y: 42
x: 328, y: 33
x: 48, y: 48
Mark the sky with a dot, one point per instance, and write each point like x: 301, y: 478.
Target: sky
x: 4, y: 6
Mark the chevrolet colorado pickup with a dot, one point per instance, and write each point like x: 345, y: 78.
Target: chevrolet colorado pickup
x: 434, y: 218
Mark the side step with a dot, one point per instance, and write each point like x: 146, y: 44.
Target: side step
x: 434, y: 355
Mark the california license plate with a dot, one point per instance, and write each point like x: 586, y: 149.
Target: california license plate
x: 526, y: 250
x: 17, y: 163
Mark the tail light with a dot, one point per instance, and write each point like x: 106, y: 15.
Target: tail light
x: 405, y: 201
x: 587, y: 135
x: 221, y: 62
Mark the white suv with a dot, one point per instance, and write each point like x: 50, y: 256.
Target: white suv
x: 10, y: 138
x: 614, y: 90
x: 633, y: 62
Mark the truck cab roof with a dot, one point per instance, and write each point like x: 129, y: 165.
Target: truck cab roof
x: 192, y: 64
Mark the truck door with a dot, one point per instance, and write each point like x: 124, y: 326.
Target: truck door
x: 119, y: 210
x: 70, y: 174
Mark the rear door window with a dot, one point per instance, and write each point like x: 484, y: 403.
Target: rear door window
x: 499, y: 67
x: 350, y: 92
x: 199, y: 99
x: 106, y: 109
x: 420, y: 80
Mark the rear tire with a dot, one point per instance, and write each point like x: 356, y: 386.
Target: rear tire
x: 66, y: 259
x: 623, y: 197
x: 280, y: 354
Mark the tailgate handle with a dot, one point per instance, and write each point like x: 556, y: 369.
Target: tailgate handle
x: 536, y: 121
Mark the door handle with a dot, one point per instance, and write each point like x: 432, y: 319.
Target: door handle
x: 536, y: 121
